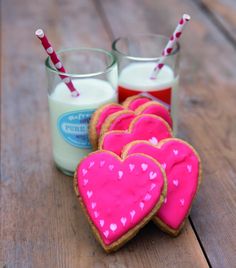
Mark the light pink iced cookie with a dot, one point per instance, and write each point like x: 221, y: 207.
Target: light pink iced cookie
x: 183, y: 170
x: 153, y: 107
x: 134, y: 102
x: 98, y: 118
x: 144, y: 127
x: 119, y: 196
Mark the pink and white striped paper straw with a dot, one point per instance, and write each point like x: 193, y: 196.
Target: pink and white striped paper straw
x: 55, y: 60
x: 169, y: 47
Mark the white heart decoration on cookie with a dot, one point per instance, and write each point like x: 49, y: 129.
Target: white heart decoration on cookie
x: 102, y: 163
x: 163, y: 165
x: 153, y: 185
x: 106, y: 233
x: 93, y: 205
x: 153, y: 141
x: 113, y: 227
x: 131, y: 167
x: 85, y: 182
x: 84, y: 171
x: 144, y: 166
x: 141, y: 204
x: 120, y: 173
x: 182, y: 201
x: 89, y: 194
x: 91, y: 164
x: 111, y: 167
x: 132, y: 213
x: 175, y: 152
x: 123, y: 220
x: 152, y: 175
x: 176, y: 182
x: 189, y: 167
x: 147, y: 197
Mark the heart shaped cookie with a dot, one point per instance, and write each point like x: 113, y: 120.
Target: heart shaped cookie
x: 105, y: 116
x: 118, y: 121
x: 183, y: 171
x: 156, y: 108
x: 133, y: 102
x: 122, y: 119
x: 119, y: 196
x: 100, y: 115
x: 144, y: 127
x: 98, y: 119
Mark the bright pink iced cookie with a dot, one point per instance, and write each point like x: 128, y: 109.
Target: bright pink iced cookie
x: 118, y: 121
x: 153, y: 107
x: 144, y: 127
x: 122, y: 119
x: 134, y: 102
x: 101, y: 114
x: 119, y: 195
x: 110, y: 109
x: 98, y: 118
x: 182, y: 166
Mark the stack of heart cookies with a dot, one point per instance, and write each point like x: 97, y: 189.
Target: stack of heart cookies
x: 139, y: 172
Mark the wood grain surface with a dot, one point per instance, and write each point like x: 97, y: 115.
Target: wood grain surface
x: 222, y: 12
x: 41, y: 222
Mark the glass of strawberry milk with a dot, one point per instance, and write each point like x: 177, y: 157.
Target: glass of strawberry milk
x: 137, y: 55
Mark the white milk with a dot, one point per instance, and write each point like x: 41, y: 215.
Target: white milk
x: 70, y: 116
x: 136, y: 76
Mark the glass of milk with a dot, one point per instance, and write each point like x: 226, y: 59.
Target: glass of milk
x: 137, y: 55
x: 94, y: 74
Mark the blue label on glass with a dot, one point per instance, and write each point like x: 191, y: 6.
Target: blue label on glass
x: 73, y: 127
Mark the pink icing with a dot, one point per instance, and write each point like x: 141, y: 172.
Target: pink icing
x: 145, y: 127
x: 158, y: 110
x: 182, y: 170
x: 108, y: 110
x: 122, y: 121
x: 133, y: 105
x: 118, y: 194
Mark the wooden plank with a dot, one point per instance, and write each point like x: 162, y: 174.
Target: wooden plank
x: 41, y: 222
x: 207, y: 110
x: 224, y: 12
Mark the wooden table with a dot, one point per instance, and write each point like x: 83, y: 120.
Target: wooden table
x: 41, y: 222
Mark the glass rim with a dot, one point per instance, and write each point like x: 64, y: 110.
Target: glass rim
x: 52, y: 69
x: 135, y: 58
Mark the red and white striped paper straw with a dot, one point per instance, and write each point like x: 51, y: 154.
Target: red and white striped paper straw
x: 55, y: 60
x: 169, y: 47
